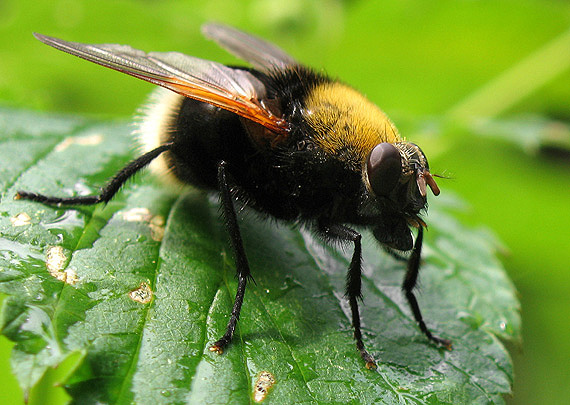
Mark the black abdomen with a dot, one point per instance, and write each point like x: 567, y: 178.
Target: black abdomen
x: 290, y: 181
x: 204, y: 135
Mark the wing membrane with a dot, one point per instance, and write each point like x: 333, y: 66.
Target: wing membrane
x: 261, y: 54
x: 235, y: 90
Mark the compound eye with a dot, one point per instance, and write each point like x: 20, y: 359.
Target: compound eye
x: 383, y: 168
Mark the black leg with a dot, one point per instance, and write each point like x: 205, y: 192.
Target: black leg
x: 353, y: 283
x: 408, y: 287
x: 242, y: 266
x: 107, y: 192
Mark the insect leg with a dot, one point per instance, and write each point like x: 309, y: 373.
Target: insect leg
x: 107, y: 192
x: 409, y: 285
x: 242, y: 266
x: 353, y: 283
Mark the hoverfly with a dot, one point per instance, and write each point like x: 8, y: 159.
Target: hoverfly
x: 286, y: 140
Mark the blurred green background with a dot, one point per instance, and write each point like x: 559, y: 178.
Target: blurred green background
x: 441, y: 70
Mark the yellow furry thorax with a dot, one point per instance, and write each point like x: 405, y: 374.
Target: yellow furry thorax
x: 346, y: 124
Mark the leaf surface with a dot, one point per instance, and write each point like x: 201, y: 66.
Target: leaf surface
x: 79, y: 281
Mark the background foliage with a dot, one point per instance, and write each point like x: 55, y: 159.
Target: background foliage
x: 437, y: 69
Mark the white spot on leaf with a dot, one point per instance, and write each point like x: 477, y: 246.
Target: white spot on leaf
x: 70, y: 276
x: 263, y: 384
x: 21, y: 219
x: 157, y: 227
x: 88, y: 140
x: 55, y: 263
x: 155, y: 223
x: 55, y: 259
x: 143, y: 294
x: 137, y: 215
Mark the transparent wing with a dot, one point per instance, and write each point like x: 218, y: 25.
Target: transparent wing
x: 261, y: 54
x: 235, y: 90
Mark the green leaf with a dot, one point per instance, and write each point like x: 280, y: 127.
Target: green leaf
x: 79, y: 283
